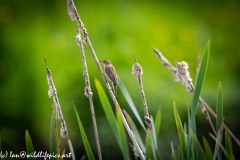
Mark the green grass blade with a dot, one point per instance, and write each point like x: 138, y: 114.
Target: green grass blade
x: 199, y: 83
x: 219, y: 143
x: 109, y: 112
x: 179, y: 152
x: 130, y: 102
x: 217, y: 149
x: 107, y: 108
x: 0, y: 141
x: 219, y: 108
x: 156, y: 155
x: 189, y: 138
x: 193, y: 155
x: 200, y: 153
x: 198, y: 66
x: 173, y: 152
x: 228, y: 145
x: 71, y: 149
x: 84, y: 137
x: 29, y: 145
x: 219, y: 113
x: 189, y: 124
x: 83, y: 157
x: 148, y: 144
x: 122, y: 135
x: 54, y: 134
x: 180, y: 130
x: 207, y: 148
x: 135, y: 130
x: 158, y: 121
x: 153, y: 134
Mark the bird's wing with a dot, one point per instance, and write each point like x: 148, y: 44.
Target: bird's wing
x: 111, y: 73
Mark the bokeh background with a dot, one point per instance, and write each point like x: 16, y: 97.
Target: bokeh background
x: 30, y: 30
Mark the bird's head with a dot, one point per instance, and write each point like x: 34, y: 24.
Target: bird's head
x: 105, y: 62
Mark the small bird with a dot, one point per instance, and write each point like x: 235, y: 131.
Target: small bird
x: 111, y: 74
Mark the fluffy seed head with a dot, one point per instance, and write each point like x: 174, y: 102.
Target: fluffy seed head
x: 182, y: 74
x: 137, y: 70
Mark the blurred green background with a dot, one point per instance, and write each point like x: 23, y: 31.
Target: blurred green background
x: 30, y: 30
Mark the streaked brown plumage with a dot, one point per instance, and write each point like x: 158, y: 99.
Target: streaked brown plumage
x: 111, y: 74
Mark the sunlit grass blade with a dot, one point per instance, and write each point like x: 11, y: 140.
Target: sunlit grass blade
x: 130, y: 102
x: 158, y: 121
x: 83, y: 157
x: 62, y: 155
x: 59, y: 147
x: 199, y: 83
x: 228, y: 145
x: 173, y: 152
x: 224, y: 150
x: 29, y: 145
x: 148, y: 145
x: 122, y: 134
x: 54, y: 134
x: 71, y: 149
x: 135, y: 130
x: 84, y: 138
x: 185, y: 128
x: 107, y: 108
x: 207, y: 148
x: 200, y: 153
x: 180, y: 130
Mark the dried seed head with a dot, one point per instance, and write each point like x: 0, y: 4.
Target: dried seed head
x: 58, y: 112
x: 182, y: 74
x: 148, y: 121
x: 63, y: 130
x: 78, y: 37
x: 87, y: 92
x: 71, y: 10
x: 137, y: 70
x: 135, y: 152
x: 164, y: 60
x: 182, y: 67
x: 50, y: 92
